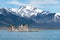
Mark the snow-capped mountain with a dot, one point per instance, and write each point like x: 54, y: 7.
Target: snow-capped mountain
x: 29, y: 15
x: 57, y: 17
x: 27, y: 11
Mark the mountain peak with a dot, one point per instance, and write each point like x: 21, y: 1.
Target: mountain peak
x: 28, y: 11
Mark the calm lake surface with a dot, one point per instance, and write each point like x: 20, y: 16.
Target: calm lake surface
x: 42, y: 35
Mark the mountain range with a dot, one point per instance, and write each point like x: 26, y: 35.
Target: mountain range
x: 32, y: 16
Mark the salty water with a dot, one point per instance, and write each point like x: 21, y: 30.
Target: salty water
x: 41, y: 35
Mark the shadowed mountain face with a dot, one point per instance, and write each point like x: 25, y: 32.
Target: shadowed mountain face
x: 33, y: 17
x: 8, y: 18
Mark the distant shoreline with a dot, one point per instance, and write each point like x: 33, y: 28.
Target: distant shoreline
x: 7, y: 28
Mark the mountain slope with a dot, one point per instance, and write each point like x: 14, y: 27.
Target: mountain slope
x: 34, y: 17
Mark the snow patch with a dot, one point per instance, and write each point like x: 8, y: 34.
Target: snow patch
x: 13, y: 9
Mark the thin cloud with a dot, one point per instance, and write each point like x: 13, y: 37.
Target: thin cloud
x: 44, y: 2
x: 35, y: 3
x: 16, y: 2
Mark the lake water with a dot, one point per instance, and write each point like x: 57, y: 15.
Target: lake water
x: 42, y: 35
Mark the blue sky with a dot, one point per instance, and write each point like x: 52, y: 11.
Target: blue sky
x: 48, y: 5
